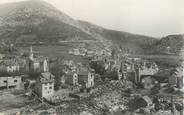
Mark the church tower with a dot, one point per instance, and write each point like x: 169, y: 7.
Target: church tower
x: 45, y: 65
x: 31, y: 55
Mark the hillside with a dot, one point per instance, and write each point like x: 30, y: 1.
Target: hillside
x: 123, y: 39
x: 38, y: 21
x: 171, y: 44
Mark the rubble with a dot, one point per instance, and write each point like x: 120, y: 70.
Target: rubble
x: 85, y: 113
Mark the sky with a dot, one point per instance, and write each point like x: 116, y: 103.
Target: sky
x: 155, y: 18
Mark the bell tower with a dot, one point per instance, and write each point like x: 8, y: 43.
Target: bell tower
x: 45, y: 65
x: 31, y: 55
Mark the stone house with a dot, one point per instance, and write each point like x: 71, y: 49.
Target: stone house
x: 135, y: 71
x: 130, y: 76
x: 45, y: 85
x: 10, y: 81
x: 145, y: 69
x: 128, y: 72
x: 148, y: 68
x: 68, y: 62
x: 116, y: 71
x: 176, y: 78
x: 9, y: 66
x: 2, y: 56
x: 82, y: 51
x: 86, y: 78
x: 76, y: 52
x: 71, y: 78
x: 90, y: 53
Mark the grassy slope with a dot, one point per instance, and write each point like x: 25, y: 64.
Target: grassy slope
x: 32, y: 21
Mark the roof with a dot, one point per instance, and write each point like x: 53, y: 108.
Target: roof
x: 46, y: 77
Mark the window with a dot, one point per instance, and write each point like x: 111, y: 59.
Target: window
x: 45, y: 88
x: 5, y: 81
x: 15, y: 80
x: 91, y: 76
x: 50, y: 87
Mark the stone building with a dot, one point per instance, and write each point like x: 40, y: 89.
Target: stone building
x: 9, y: 66
x: 71, y: 78
x: 2, y: 56
x: 10, y: 81
x: 45, y: 85
x: 76, y: 52
x: 86, y: 78
x: 128, y: 72
x: 147, y: 69
x: 90, y: 53
x: 135, y: 71
x: 176, y: 78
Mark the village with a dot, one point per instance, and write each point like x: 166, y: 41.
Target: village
x: 110, y: 81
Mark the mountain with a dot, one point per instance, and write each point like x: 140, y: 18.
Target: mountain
x: 171, y: 44
x: 38, y: 21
